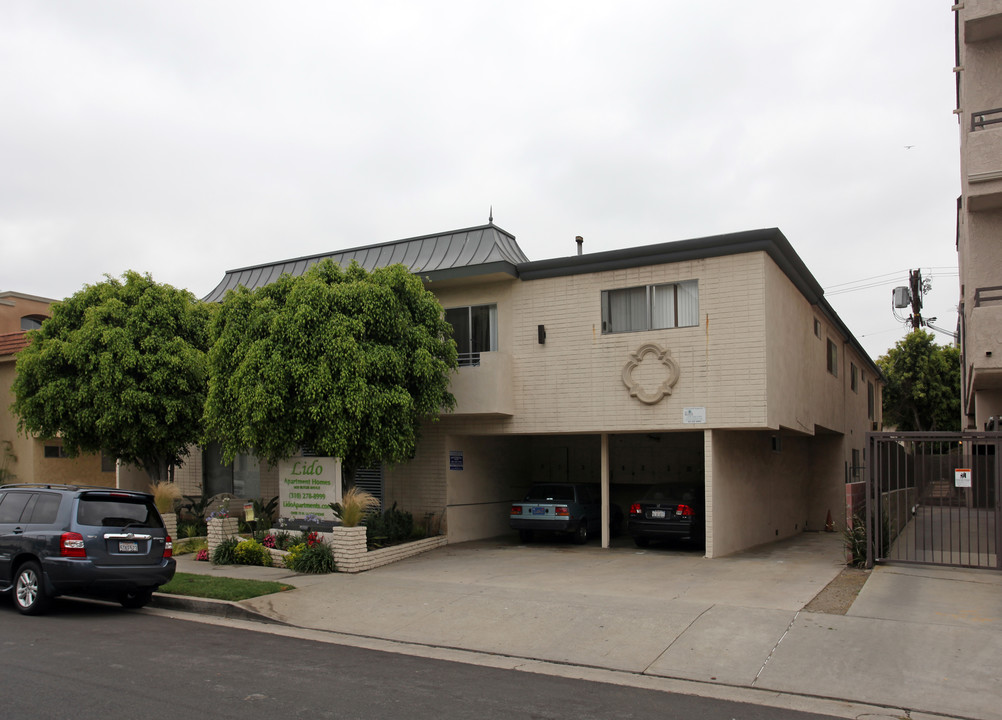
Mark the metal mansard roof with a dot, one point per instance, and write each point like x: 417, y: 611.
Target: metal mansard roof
x: 442, y: 255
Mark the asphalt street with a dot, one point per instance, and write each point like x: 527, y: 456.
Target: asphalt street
x: 96, y: 661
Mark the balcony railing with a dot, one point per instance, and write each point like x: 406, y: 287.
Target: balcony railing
x: 984, y: 118
x: 471, y: 359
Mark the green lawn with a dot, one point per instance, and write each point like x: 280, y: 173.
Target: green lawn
x: 220, y: 588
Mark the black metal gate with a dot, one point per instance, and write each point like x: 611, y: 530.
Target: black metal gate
x: 933, y: 498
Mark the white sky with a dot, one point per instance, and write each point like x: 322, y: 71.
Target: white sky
x: 187, y: 138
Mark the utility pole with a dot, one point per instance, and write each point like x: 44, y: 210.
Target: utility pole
x: 915, y: 283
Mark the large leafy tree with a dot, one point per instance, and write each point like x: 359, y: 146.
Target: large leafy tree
x: 121, y: 367
x: 923, y: 384
x: 345, y: 362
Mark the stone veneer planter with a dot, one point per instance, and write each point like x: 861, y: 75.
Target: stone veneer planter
x: 220, y: 529
x: 170, y: 524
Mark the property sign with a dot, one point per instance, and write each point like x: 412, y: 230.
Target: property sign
x: 962, y: 477
x: 694, y: 415
x: 307, y: 486
x: 455, y: 459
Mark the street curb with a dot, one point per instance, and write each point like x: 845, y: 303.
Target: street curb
x: 209, y: 606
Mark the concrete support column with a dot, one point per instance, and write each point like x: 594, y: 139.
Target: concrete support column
x: 708, y: 489
x: 605, y: 490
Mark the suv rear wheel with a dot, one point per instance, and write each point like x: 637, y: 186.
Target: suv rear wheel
x: 135, y: 599
x: 29, y: 590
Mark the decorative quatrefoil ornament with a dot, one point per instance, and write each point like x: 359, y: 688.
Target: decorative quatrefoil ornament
x: 650, y: 373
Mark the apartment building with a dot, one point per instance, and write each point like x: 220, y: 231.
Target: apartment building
x: 713, y: 361
x: 979, y: 208
x: 31, y: 459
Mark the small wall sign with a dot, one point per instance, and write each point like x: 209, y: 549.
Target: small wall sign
x: 694, y: 415
x: 962, y: 477
x: 455, y: 459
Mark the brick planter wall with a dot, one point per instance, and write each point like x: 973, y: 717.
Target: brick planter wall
x: 220, y: 529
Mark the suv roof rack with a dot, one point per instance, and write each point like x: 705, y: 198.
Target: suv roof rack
x: 48, y: 486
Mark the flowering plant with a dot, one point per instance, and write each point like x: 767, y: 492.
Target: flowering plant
x: 312, y: 518
x: 312, y: 539
x: 202, y: 554
x: 222, y: 512
x: 269, y: 541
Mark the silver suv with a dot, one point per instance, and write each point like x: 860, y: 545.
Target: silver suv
x: 70, y: 540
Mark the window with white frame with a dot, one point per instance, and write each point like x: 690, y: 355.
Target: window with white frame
x: 650, y: 307
x: 475, y: 330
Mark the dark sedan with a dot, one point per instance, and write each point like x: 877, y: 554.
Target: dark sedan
x: 668, y: 512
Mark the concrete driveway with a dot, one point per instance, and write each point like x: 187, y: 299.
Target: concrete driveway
x: 656, y: 610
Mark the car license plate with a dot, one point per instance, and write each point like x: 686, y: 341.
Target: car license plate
x: 657, y: 513
x: 539, y: 511
x: 128, y: 547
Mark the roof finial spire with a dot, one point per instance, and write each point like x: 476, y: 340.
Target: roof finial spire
x: 490, y: 218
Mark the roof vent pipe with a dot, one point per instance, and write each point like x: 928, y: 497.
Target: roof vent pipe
x: 580, y: 241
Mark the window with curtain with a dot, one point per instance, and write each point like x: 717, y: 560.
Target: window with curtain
x: 650, y: 307
x: 475, y: 330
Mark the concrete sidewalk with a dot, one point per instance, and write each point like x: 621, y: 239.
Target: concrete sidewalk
x: 916, y: 639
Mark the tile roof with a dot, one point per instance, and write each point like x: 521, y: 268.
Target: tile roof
x: 11, y: 343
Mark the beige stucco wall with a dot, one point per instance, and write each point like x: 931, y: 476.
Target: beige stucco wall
x: 573, y: 382
x: 479, y: 495
x: 757, y: 495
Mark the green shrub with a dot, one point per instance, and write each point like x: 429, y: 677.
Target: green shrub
x: 226, y: 552
x: 186, y: 547
x: 355, y: 504
x: 312, y: 555
x: 855, y: 538
x: 392, y: 527
x: 191, y: 529
x: 251, y: 552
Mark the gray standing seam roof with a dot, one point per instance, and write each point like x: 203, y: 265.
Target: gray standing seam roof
x: 452, y: 250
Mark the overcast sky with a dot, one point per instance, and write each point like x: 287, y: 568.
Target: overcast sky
x: 188, y: 138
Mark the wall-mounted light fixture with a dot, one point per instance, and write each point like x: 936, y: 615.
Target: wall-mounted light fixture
x: 541, y: 334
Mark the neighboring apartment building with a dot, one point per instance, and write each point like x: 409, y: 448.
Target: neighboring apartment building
x: 36, y: 460
x: 715, y: 361
x: 979, y: 208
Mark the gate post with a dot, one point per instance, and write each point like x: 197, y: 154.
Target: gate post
x: 870, y: 499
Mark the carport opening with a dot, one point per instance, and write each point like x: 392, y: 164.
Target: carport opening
x: 637, y: 463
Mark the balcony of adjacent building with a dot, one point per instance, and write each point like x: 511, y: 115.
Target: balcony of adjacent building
x: 982, y: 19
x: 983, y: 161
x: 483, y: 384
x: 983, y: 344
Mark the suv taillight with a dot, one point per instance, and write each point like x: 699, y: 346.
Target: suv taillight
x: 516, y: 510
x: 684, y: 511
x: 561, y: 511
x: 71, y: 544
x: 635, y: 509
x: 168, y: 547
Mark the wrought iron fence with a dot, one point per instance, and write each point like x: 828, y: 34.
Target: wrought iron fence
x: 933, y: 498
